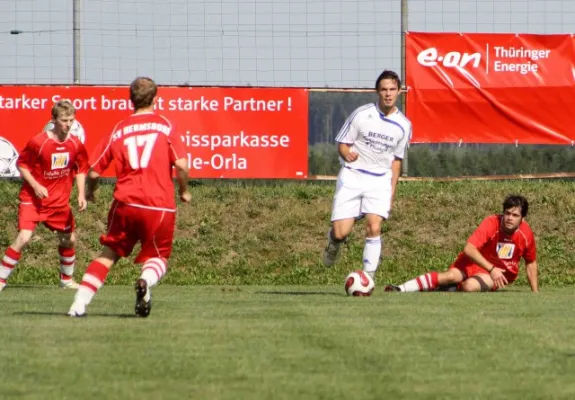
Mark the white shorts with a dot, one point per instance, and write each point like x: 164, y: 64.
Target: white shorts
x: 358, y: 193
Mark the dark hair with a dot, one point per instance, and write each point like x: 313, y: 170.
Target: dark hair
x: 388, y: 75
x: 516, y: 201
x: 142, y: 92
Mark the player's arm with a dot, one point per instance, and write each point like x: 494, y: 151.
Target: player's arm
x: 92, y: 184
x: 179, y: 159
x: 346, y: 136
x: 477, y: 240
x: 26, y: 159
x: 532, y: 275
x: 399, y: 153
x: 100, y: 160
x: 395, y: 173
x: 81, y: 183
x: 530, y: 257
x: 182, y: 173
x: 475, y: 255
x: 344, y: 150
x: 40, y: 191
x: 82, y: 168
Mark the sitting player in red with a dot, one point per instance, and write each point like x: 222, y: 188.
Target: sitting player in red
x: 48, y: 165
x: 490, y: 258
x: 143, y: 149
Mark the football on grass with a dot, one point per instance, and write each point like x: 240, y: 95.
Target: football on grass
x: 358, y: 283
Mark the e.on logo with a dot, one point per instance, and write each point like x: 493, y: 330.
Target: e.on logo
x: 430, y: 58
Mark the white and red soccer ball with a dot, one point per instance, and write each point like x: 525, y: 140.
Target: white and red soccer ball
x: 359, y: 283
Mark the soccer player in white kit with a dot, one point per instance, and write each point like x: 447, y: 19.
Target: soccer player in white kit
x: 371, y: 143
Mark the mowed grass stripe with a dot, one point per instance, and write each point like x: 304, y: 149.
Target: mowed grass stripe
x: 285, y: 342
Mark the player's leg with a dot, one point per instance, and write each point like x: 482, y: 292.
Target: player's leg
x: 92, y: 281
x: 430, y: 281
x: 478, y: 283
x: 156, y: 249
x: 375, y: 205
x: 13, y: 254
x: 340, y: 230
x: 345, y: 209
x: 118, y: 242
x: 372, y: 247
x: 28, y: 218
x: 62, y: 221
x: 67, y: 255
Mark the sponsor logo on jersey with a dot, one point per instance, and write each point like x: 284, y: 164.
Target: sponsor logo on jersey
x: 505, y: 250
x: 60, y: 160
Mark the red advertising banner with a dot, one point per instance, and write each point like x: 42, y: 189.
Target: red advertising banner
x: 491, y: 88
x: 229, y: 132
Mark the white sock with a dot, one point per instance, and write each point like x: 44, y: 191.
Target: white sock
x: 84, y: 295
x: 371, y: 254
x: 410, y: 286
x: 153, y: 270
x: 67, y: 262
x: 423, y: 283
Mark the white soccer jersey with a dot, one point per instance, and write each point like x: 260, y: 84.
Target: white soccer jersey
x: 376, y: 138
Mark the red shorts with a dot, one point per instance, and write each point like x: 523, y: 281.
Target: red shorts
x: 58, y: 219
x: 469, y: 270
x: 128, y: 225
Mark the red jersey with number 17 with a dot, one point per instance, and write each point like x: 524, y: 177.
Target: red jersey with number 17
x: 53, y: 163
x: 143, y: 148
x: 500, y: 249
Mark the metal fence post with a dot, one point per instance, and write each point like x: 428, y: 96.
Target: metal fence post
x: 404, y: 29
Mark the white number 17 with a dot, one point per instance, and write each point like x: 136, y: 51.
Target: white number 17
x: 133, y: 143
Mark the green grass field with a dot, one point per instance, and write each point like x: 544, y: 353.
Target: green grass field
x: 247, y: 311
x: 288, y: 342
x: 273, y: 233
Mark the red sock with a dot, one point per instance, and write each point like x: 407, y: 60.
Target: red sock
x: 67, y: 262
x: 9, y: 261
x: 427, y: 282
x: 95, y: 276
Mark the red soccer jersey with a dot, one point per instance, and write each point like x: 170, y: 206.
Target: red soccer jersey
x: 144, y: 148
x: 53, y: 164
x: 502, y: 250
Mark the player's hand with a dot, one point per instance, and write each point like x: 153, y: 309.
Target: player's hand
x: 82, y: 203
x: 498, y: 278
x: 40, y: 191
x: 351, y: 156
x: 186, y: 197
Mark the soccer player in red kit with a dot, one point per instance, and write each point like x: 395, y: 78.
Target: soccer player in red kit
x: 143, y: 148
x: 48, y: 165
x: 490, y: 258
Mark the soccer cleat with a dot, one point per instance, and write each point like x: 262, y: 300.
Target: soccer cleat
x: 330, y: 253
x: 69, y: 284
x: 77, y: 310
x: 143, y: 299
x: 450, y: 288
x: 392, y: 288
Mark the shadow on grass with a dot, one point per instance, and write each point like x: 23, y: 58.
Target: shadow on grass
x: 11, y: 287
x: 59, y: 314
x: 277, y: 292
